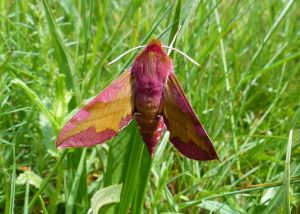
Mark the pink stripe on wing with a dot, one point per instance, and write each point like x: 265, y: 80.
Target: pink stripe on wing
x: 192, y: 151
x: 88, y: 137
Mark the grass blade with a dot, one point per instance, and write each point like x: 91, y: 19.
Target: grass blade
x: 143, y: 182
x: 75, y: 184
x: 153, y: 28
x: 175, y: 27
x: 62, y: 57
x: 66, y: 66
x: 37, y: 101
x: 26, y: 199
x: 47, y: 180
x: 295, y: 179
x: 227, y: 87
x: 287, y: 170
x: 276, y: 23
x: 13, y: 183
x: 43, y: 205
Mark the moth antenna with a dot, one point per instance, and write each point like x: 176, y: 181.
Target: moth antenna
x: 173, y: 40
x: 143, y: 46
x: 125, y: 53
x: 183, y: 54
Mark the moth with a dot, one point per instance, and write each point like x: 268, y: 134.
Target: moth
x: 150, y: 93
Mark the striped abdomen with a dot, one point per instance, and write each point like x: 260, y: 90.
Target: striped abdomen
x: 151, y: 130
x: 148, y: 116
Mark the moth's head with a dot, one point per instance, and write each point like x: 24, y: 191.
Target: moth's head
x: 153, y: 55
x: 154, y: 46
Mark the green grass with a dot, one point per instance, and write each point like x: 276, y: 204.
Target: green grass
x: 53, y: 57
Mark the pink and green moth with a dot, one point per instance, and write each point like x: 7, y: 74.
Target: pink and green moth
x: 150, y: 93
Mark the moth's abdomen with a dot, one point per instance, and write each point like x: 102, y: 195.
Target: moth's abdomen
x: 151, y: 130
x: 148, y: 102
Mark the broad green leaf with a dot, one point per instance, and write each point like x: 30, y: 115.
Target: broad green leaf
x: 129, y: 163
x: 118, y: 158
x: 142, y: 182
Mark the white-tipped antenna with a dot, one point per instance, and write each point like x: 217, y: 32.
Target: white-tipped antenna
x: 143, y: 46
x: 183, y: 54
x: 125, y: 53
x: 173, y: 40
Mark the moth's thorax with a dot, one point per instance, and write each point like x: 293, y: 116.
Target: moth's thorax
x: 150, y: 70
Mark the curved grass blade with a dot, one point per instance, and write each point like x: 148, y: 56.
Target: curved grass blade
x: 270, y: 32
x: 62, y: 56
x: 294, y: 180
x: 105, y: 196
x: 36, y: 100
x: 44, y: 209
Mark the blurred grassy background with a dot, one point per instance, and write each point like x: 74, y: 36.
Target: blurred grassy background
x: 53, y: 56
